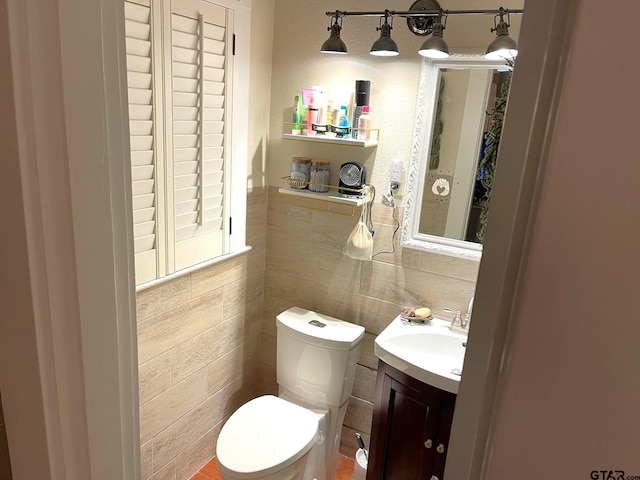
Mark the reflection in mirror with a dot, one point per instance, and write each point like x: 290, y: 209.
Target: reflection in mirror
x: 467, y: 123
x: 461, y: 104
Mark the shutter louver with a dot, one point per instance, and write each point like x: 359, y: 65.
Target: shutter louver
x: 141, y: 123
x: 198, y: 90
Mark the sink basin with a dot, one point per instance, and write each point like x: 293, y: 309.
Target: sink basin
x: 429, y: 353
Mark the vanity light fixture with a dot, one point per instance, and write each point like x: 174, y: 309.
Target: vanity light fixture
x: 423, y: 19
x: 384, y: 46
x: 334, y: 43
x: 503, y: 46
x: 436, y: 47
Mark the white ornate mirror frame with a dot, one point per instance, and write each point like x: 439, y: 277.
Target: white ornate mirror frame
x: 420, y: 147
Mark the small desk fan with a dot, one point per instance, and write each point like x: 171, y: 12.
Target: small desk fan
x: 352, y: 175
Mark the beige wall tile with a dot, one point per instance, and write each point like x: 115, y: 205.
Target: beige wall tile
x: 272, y: 306
x: 241, y: 361
x: 415, y: 287
x: 449, y: 266
x: 364, y: 386
x: 169, y: 406
x: 167, y: 472
x: 382, y: 214
x: 267, y: 384
x: 283, y: 216
x: 331, y: 231
x: 198, y: 454
x: 197, y: 422
x: 366, y: 355
x: 359, y: 415
x: 198, y: 352
x: 168, y: 329
x: 372, y: 313
x: 386, y: 246
x: 154, y: 377
x: 216, y: 276
x: 156, y: 300
x: 268, y: 346
x: 146, y: 460
x: 243, y: 295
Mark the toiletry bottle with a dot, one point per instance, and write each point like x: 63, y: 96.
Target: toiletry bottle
x: 296, y: 128
x: 361, y: 98
x: 312, y: 113
x: 329, y: 117
x: 303, y: 117
x: 364, y: 124
x: 319, y: 102
x: 312, y: 119
x: 343, y: 123
x: 335, y: 117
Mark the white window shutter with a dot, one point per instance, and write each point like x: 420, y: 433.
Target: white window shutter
x: 199, y: 92
x: 143, y: 148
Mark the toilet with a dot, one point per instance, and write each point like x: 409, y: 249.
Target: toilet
x: 296, y: 435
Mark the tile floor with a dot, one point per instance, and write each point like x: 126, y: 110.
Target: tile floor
x: 210, y: 470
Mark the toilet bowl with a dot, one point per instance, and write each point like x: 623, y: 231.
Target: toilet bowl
x: 268, y: 438
x: 296, y: 435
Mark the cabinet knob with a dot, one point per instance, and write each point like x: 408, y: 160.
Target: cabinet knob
x: 440, y: 448
x: 428, y: 443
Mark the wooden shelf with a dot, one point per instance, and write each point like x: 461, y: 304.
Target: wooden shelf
x: 333, y: 140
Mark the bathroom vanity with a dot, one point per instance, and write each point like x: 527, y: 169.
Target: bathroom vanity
x: 411, y: 427
x: 419, y: 372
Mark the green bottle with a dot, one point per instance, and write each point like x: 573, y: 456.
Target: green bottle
x: 296, y: 128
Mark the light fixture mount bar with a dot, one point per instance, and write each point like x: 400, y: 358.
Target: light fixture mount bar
x: 424, y: 13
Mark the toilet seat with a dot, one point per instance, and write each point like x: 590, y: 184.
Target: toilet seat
x: 264, y: 435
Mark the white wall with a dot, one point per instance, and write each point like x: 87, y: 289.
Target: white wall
x: 262, y: 14
x: 569, y: 401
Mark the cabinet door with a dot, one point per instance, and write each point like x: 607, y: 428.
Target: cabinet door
x: 406, y: 420
x: 441, y: 443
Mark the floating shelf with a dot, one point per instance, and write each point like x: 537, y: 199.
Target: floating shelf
x: 327, y: 197
x: 354, y: 142
x: 328, y: 202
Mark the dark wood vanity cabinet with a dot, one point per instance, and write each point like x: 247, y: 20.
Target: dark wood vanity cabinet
x: 411, y: 427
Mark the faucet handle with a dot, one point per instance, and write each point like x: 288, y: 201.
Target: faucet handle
x: 457, y: 321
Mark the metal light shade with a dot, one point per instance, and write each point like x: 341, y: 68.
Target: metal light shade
x: 503, y: 46
x: 334, y: 43
x: 384, y: 46
x: 435, y: 47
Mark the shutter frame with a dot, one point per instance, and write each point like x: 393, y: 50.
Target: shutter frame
x: 199, y: 100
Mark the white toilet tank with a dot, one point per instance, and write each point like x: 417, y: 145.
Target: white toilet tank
x: 317, y: 355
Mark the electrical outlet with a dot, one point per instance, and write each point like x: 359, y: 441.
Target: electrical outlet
x: 396, y: 172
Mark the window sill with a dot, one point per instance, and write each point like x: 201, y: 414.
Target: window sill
x: 173, y: 276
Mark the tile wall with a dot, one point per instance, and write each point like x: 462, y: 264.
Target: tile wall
x: 197, y: 344
x: 305, y: 267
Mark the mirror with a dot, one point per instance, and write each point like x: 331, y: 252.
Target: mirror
x: 461, y: 100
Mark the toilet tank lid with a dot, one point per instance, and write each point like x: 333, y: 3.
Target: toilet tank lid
x: 320, y: 329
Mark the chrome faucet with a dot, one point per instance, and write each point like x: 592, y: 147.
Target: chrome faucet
x: 458, y: 324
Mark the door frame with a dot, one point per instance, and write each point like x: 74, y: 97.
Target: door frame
x: 68, y: 68
x: 68, y: 357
